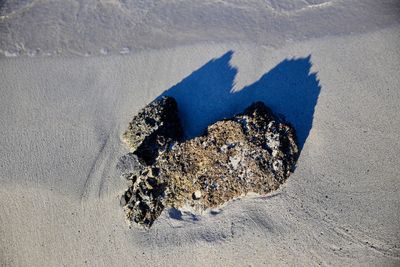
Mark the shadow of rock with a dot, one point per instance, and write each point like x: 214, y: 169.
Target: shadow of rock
x: 206, y: 96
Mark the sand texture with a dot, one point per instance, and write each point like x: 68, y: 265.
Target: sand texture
x: 331, y: 68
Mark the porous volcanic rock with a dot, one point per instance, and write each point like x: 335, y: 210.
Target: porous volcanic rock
x: 254, y: 151
x: 153, y: 129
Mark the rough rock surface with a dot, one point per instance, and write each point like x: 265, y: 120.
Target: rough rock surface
x: 155, y: 128
x: 130, y: 166
x: 252, y: 152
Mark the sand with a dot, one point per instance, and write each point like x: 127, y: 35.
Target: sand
x: 62, y: 118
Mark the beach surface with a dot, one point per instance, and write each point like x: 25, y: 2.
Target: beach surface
x: 334, y: 75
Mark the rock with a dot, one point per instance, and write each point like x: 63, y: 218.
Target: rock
x: 144, y: 200
x: 254, y: 151
x: 251, y: 152
x: 154, y: 129
x: 129, y: 166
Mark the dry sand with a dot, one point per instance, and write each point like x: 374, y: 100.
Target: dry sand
x: 61, y: 121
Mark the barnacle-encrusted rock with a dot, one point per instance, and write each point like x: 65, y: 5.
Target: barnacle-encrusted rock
x: 252, y: 152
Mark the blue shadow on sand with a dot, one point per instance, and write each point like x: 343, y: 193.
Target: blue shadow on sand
x: 206, y: 95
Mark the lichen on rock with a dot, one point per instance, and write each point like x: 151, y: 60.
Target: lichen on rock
x: 254, y: 151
